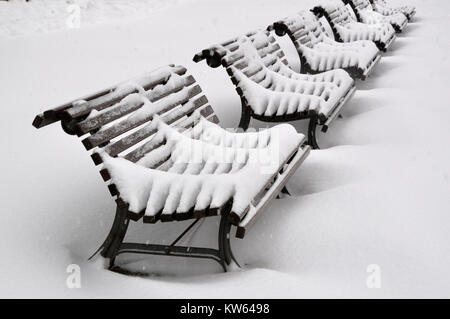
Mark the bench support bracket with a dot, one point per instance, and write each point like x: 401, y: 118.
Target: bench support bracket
x: 114, y: 245
x: 245, y: 116
x: 312, y: 141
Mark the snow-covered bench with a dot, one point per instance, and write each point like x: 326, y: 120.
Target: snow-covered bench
x: 383, y: 7
x: 272, y: 92
x: 347, y: 29
x: 165, y: 159
x: 365, y: 13
x: 318, y: 52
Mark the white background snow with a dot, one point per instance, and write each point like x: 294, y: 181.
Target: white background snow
x: 377, y: 193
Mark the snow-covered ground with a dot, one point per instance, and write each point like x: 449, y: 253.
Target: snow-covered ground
x: 19, y: 18
x: 377, y: 193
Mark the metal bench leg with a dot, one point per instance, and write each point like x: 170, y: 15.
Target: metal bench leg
x: 225, y: 253
x: 312, y: 133
x: 116, y: 235
x: 284, y: 190
x: 114, y: 246
x: 245, y: 116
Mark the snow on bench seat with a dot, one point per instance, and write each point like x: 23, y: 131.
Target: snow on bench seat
x: 201, y: 176
x: 365, y: 13
x: 212, y: 133
x: 383, y: 7
x: 318, y: 52
x: 347, y: 29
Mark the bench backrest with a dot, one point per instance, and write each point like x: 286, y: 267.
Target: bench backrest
x: 303, y: 28
x: 118, y: 120
x: 234, y: 54
x: 335, y: 13
x: 358, y: 6
x: 228, y: 54
x: 240, y: 52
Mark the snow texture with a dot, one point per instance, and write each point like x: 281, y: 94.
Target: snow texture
x: 376, y: 193
x: 200, y: 174
x: 212, y: 133
x: 275, y: 94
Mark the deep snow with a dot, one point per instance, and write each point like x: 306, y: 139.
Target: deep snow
x: 377, y: 193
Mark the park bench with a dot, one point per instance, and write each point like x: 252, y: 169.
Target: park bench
x: 346, y: 29
x: 318, y: 52
x: 165, y: 159
x: 270, y: 91
x: 383, y: 7
x: 365, y: 13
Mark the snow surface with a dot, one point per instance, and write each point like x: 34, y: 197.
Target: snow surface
x: 377, y: 193
x: 42, y: 16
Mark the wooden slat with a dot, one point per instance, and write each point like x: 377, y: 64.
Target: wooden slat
x: 190, y: 121
x: 247, y: 222
x: 55, y: 114
x: 258, y: 197
x: 105, y: 174
x: 236, y: 218
x: 113, y: 190
x: 129, y: 124
x: 155, y: 143
x: 146, y: 131
x: 106, y: 100
x: 213, y: 119
x: 124, y: 108
x: 147, y: 147
x: 295, y: 27
x: 233, y: 58
x: 40, y: 121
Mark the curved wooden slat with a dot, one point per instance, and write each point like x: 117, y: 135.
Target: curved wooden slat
x: 125, y: 107
x: 130, y: 123
x: 128, y: 141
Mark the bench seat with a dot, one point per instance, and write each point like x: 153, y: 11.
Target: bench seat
x: 318, y: 52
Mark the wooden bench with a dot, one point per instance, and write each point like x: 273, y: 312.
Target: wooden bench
x: 272, y: 92
x: 365, y: 13
x: 383, y: 7
x: 140, y: 131
x: 347, y: 29
x: 318, y: 52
